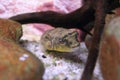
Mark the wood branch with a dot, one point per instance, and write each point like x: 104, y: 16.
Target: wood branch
x: 77, y: 19
x: 88, y: 27
x: 112, y: 4
x: 100, y: 14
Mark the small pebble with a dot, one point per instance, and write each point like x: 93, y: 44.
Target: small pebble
x: 43, y: 56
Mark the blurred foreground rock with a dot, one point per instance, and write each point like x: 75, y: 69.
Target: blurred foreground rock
x: 16, y: 63
x: 110, y: 50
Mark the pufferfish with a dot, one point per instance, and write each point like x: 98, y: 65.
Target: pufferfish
x: 60, y: 40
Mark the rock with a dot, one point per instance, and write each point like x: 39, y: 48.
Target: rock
x: 110, y: 50
x: 67, y: 5
x: 16, y: 63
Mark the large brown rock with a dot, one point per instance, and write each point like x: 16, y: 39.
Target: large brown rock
x: 110, y: 50
x: 16, y: 63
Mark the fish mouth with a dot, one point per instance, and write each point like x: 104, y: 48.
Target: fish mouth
x: 64, y: 50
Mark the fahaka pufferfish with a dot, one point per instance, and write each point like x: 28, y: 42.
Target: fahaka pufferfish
x: 60, y: 40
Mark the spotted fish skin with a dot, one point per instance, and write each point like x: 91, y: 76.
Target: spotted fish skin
x: 60, y: 39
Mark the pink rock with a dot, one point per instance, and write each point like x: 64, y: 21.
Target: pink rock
x: 67, y: 5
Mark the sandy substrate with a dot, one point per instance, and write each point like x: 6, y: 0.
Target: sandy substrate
x: 60, y: 68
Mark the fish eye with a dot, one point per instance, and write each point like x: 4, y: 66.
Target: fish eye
x: 62, y: 40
